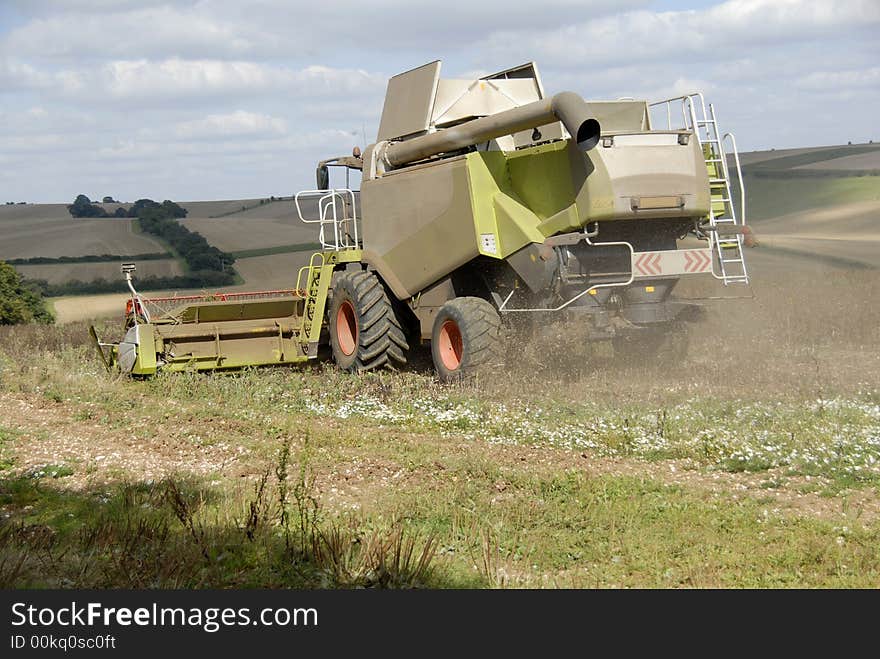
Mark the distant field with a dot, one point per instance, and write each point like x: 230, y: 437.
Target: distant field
x: 823, y: 153
x: 87, y: 307
x: 212, y: 208
x: 815, y: 157
x: 63, y: 272
x: 49, y: 230
x: 858, y: 161
x: 271, y: 272
x: 769, y: 198
x: 858, y: 220
x: 829, y: 218
x: 243, y: 231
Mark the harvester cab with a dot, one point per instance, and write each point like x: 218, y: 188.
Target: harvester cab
x: 480, y: 202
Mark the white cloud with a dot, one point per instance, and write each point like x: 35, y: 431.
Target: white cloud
x: 713, y: 33
x: 173, y: 77
x: 17, y: 75
x: 166, y: 81
x: 840, y: 80
x: 235, y: 124
x: 273, y: 28
x: 151, y: 31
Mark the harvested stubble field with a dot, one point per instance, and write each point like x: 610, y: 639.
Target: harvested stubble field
x: 271, y: 224
x: 49, y: 230
x: 753, y: 462
x: 60, y: 273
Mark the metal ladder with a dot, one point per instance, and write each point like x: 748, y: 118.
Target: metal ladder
x: 311, y: 292
x: 726, y: 245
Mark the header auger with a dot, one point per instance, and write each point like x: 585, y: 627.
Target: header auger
x: 481, y: 201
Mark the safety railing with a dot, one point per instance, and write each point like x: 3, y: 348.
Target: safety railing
x: 335, y: 213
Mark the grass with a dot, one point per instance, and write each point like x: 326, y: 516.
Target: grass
x: 492, y: 525
x: 571, y: 471
x: 180, y: 534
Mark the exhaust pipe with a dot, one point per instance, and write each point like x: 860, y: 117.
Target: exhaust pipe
x: 567, y: 107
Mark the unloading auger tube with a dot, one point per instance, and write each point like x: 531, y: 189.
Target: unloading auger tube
x: 567, y: 107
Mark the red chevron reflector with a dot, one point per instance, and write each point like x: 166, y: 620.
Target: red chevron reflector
x: 672, y: 262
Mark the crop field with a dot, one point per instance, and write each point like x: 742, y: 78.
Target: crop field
x: 49, y: 230
x: 215, y: 208
x: 58, y: 273
x: 754, y: 462
x: 859, y: 161
x: 822, y: 157
x: 272, y: 272
x: 232, y: 234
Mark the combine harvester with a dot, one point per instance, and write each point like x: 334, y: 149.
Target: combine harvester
x: 482, y: 201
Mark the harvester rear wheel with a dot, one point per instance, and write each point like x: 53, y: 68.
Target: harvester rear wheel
x: 466, y: 338
x: 365, y: 333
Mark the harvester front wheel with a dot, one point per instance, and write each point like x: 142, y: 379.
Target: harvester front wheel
x: 365, y: 333
x: 466, y: 338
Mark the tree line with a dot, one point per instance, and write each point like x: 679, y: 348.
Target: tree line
x: 89, y: 258
x: 203, y: 279
x: 82, y: 206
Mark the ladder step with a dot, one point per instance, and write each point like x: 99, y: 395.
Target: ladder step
x: 705, y: 121
x: 731, y: 260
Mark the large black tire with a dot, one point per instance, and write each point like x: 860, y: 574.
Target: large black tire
x: 466, y: 338
x: 365, y: 333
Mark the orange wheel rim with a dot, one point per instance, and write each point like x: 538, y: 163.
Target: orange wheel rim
x: 450, y: 345
x: 346, y: 328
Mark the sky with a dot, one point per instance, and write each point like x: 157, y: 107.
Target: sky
x: 222, y: 99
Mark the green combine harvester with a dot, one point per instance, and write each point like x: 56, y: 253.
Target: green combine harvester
x: 482, y: 202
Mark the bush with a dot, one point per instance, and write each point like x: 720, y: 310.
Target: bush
x: 19, y: 302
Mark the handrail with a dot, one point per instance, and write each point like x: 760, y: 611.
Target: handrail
x: 688, y: 111
x: 739, y: 176
x: 343, y: 237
